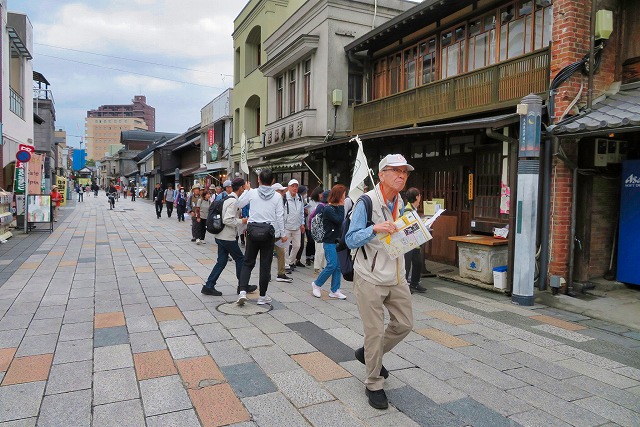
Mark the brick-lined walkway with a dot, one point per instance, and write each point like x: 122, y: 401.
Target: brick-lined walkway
x: 104, y: 325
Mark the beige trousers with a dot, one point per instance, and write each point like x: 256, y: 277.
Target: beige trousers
x: 280, y: 254
x: 371, y: 300
x: 319, y: 261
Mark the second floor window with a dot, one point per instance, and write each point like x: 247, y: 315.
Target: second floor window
x: 515, y: 29
x: 279, y: 96
x: 307, y: 84
x: 292, y: 91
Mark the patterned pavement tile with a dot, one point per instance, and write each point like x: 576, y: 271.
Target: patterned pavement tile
x: 168, y: 277
x: 332, y: 414
x: 145, y: 269
x: 70, y: 377
x: 178, y: 419
x: 448, y: 317
x: 443, y: 338
x: 320, y: 366
x: 28, y: 369
x: 199, y: 372
x: 301, y: 388
x: 167, y: 313
x: 247, y: 379
x: 154, y: 364
x: 217, y: 405
x: 110, y: 336
x: 163, y: 395
x: 66, y: 409
x: 20, y: 401
x: 108, y: 320
x: 114, y: 386
x: 274, y: 410
x: 558, y: 322
x: 192, y: 280
x: 119, y: 414
x: 422, y: 409
x: 6, y: 356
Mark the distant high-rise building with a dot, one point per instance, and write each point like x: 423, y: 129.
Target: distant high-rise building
x: 103, y: 126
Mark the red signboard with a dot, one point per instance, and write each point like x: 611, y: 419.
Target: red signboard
x: 211, y: 137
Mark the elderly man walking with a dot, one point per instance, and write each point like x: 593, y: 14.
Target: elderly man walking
x: 379, y: 281
x: 293, y: 221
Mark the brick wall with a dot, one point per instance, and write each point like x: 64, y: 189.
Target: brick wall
x: 570, y: 42
x: 561, y: 211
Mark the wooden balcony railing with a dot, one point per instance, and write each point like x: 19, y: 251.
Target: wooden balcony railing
x: 486, y: 89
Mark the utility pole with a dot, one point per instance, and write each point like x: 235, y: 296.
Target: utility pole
x: 530, y: 110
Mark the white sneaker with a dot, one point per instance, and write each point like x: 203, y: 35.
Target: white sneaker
x: 242, y: 298
x: 264, y: 300
x: 198, y: 242
x: 337, y: 294
x: 316, y: 290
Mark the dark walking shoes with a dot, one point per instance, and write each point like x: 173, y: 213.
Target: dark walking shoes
x: 210, y: 291
x: 377, y: 399
x: 360, y: 357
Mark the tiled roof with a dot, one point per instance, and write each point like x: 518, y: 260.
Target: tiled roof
x: 613, y: 113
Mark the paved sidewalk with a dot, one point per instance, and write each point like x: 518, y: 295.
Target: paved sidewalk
x: 104, y: 324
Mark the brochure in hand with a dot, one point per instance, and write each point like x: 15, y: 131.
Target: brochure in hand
x: 411, y: 234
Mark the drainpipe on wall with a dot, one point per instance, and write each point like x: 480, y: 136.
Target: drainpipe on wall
x: 572, y: 230
x: 546, y: 219
x: 592, y: 42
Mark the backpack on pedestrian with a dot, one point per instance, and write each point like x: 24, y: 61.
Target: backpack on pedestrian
x: 317, y: 228
x: 214, y: 216
x: 344, y: 253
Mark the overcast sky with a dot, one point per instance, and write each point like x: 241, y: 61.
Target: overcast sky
x: 183, y: 52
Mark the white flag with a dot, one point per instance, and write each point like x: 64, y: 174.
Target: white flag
x: 360, y: 172
x: 244, y: 167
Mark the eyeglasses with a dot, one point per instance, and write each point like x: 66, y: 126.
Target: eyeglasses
x: 397, y: 171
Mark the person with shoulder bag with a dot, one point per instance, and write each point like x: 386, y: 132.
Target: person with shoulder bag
x: 264, y: 226
x: 332, y: 218
x: 379, y: 281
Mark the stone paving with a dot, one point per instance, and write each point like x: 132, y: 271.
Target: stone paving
x: 102, y: 324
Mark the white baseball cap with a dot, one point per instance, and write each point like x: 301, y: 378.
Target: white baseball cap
x: 277, y: 186
x: 293, y: 181
x: 394, y: 160
x: 227, y: 183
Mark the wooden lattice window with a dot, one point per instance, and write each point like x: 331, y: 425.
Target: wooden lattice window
x: 487, y: 183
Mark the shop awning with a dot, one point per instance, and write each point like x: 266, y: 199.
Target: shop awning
x: 616, y: 113
x: 492, y: 122
x: 192, y: 142
x: 188, y: 171
x: 295, y: 161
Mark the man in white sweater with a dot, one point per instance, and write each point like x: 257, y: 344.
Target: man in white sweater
x: 264, y: 226
x: 227, y: 239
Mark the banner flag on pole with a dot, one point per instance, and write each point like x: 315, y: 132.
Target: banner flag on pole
x: 360, y: 172
x: 244, y: 166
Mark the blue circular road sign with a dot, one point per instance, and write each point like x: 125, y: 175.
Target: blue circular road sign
x: 23, y: 156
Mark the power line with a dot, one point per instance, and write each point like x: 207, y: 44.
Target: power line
x: 123, y: 58
x: 131, y: 72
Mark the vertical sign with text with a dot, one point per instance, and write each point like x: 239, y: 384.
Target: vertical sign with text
x: 20, y: 180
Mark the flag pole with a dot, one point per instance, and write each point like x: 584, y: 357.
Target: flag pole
x: 370, y: 172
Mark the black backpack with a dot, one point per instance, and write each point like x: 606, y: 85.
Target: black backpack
x: 214, y: 216
x: 343, y: 251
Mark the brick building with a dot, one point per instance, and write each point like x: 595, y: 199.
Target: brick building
x: 441, y: 84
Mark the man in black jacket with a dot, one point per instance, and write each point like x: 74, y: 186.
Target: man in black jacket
x: 158, y: 199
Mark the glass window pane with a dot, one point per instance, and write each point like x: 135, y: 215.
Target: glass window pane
x: 516, y: 38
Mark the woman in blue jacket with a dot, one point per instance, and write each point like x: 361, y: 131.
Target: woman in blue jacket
x: 332, y: 217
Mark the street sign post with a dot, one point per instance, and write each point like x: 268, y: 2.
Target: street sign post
x: 23, y: 156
